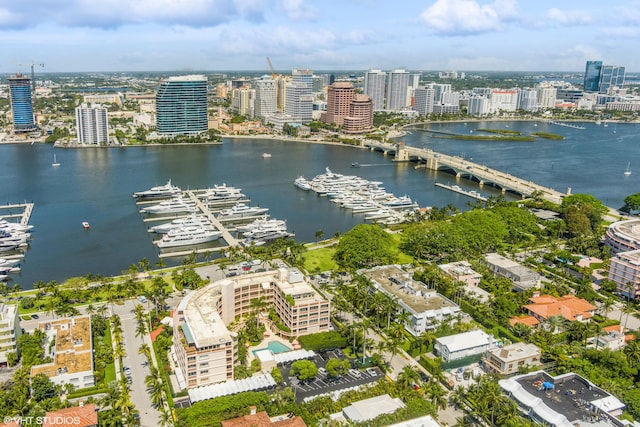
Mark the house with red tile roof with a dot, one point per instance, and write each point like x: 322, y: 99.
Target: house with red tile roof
x: 570, y: 307
x: 76, y: 416
x: 261, y: 419
x: 529, y: 321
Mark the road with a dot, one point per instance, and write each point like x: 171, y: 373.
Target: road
x: 149, y: 416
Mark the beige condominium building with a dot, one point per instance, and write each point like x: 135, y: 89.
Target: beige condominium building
x: 205, y: 350
x: 69, y: 345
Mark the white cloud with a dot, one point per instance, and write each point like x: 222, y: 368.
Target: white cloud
x: 465, y: 17
x: 569, y: 17
x: 297, y: 10
x: 116, y: 13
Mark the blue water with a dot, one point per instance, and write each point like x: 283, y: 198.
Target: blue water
x: 275, y: 347
x: 95, y: 185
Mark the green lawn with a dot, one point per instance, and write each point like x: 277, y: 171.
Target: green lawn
x: 318, y: 260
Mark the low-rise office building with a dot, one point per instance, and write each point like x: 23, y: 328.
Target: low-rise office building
x: 69, y: 344
x: 624, y: 269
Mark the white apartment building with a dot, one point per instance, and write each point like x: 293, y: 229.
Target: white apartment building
x: 478, y: 105
x: 504, y: 100
x: 375, y: 82
x: 266, y: 101
x: 106, y: 98
x: 205, y: 350
x: 510, y: 358
x: 546, y: 95
x: 423, y: 100
x: 92, y: 126
x: 10, y: 331
x: 528, y: 99
x: 397, y: 89
x: 466, y: 344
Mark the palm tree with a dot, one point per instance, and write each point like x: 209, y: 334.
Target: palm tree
x: 632, y: 351
x: 555, y: 324
x: 144, y: 349
x: 257, y: 306
x: 166, y: 419
x: 437, y: 395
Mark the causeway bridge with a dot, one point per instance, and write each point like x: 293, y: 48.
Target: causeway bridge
x: 463, y: 168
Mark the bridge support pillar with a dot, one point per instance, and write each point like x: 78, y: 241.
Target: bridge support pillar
x: 402, y: 155
x: 458, y: 174
x: 481, y: 183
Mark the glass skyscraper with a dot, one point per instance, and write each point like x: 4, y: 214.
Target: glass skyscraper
x: 592, y: 76
x: 611, y: 76
x: 21, y: 106
x: 181, y: 105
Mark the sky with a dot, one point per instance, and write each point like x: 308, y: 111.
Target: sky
x: 446, y: 35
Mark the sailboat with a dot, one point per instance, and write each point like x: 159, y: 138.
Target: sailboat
x: 55, y: 161
x: 628, y: 171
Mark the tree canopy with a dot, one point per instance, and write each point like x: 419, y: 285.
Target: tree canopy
x: 632, y: 203
x: 365, y: 245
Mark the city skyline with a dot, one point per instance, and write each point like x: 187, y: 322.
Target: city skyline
x: 463, y: 35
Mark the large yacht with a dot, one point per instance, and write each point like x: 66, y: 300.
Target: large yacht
x: 192, y: 220
x: 188, y: 236
x: 241, y: 210
x: 302, y: 183
x: 13, y: 226
x: 175, y: 205
x: 222, y: 192
x: 159, y: 192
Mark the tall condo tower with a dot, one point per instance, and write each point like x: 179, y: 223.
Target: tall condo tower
x: 266, y: 102
x: 92, y: 126
x: 181, y: 105
x: 21, y: 105
x: 375, y: 82
x: 397, y: 88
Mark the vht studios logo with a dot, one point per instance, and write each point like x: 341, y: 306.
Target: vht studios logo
x: 36, y: 421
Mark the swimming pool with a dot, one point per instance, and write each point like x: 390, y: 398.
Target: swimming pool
x: 275, y: 347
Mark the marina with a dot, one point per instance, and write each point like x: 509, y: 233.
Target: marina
x: 361, y: 196
x: 202, y: 216
x: 456, y: 189
x: 568, y: 125
x: 14, y: 237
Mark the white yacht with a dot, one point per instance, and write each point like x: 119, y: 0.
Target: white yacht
x: 175, y: 205
x: 8, y: 263
x: 192, y: 220
x: 261, y: 223
x: 241, y: 210
x: 159, y: 192
x: 13, y: 226
x: 188, y: 236
x: 222, y: 192
x: 302, y: 183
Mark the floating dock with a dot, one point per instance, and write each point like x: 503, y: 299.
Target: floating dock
x: 25, y: 215
x: 456, y: 189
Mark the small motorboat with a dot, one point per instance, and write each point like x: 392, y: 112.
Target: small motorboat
x: 355, y: 165
x: 85, y: 225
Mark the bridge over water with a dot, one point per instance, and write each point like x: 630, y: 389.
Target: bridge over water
x: 463, y: 168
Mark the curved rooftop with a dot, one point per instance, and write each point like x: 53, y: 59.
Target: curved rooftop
x: 624, y: 236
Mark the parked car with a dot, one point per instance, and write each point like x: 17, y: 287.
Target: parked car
x: 372, y: 372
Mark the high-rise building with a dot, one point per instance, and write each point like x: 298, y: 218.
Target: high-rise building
x: 478, y: 105
x: 21, y: 105
x: 303, y: 76
x: 181, y: 105
x: 527, y: 99
x: 92, y: 126
x: 397, y: 88
x: 414, y: 82
x: 299, y: 102
x: 439, y: 90
x: 546, y: 95
x: 339, y: 97
x: 611, y: 76
x: 243, y: 101
x: 360, y: 118
x: 266, y: 102
x: 318, y: 83
x: 592, y: 76
x: 504, y: 100
x: 423, y: 100
x: 375, y: 82
x: 601, y: 78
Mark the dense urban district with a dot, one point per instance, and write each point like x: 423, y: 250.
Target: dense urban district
x: 506, y: 314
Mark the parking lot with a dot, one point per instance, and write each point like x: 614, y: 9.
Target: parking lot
x: 323, y: 383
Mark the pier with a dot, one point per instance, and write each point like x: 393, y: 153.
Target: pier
x: 228, y: 238
x: 25, y: 215
x: 466, y: 169
x: 456, y: 189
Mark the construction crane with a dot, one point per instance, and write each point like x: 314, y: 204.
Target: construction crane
x: 33, y: 87
x: 33, y: 75
x: 279, y: 94
x: 273, y: 72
